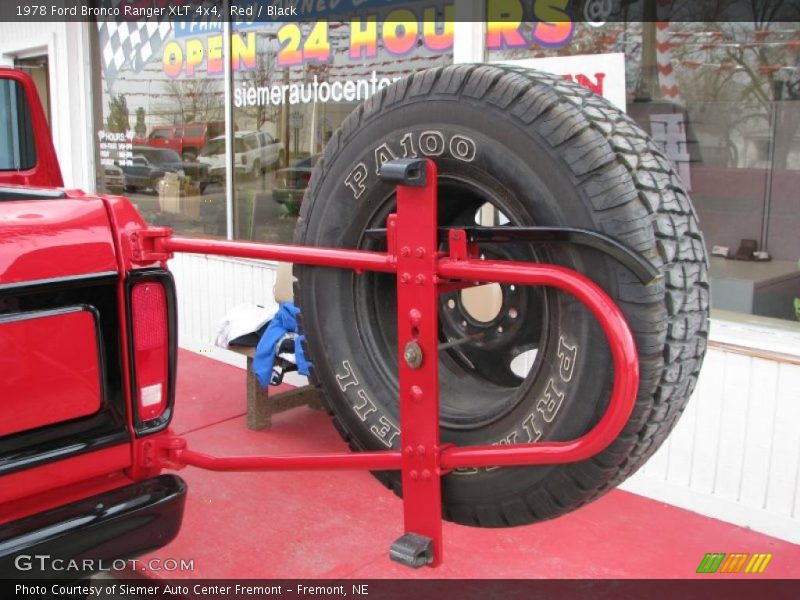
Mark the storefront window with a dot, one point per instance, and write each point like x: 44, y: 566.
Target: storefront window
x: 723, y: 100
x: 160, y: 109
x: 294, y: 88
x: 160, y: 102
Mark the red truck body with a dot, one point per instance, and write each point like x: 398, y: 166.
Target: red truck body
x: 46, y: 171
x: 187, y: 140
x: 87, y: 366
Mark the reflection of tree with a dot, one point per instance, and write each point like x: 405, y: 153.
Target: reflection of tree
x: 193, y: 100
x: 140, y: 128
x: 751, y: 66
x: 261, y: 76
x: 118, y: 115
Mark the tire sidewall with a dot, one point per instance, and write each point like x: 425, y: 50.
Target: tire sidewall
x: 577, y: 373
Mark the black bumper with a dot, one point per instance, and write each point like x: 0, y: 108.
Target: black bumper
x: 96, y: 532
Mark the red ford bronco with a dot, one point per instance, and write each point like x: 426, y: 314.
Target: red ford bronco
x: 186, y: 140
x: 87, y: 365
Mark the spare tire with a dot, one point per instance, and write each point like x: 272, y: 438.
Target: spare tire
x: 515, y: 147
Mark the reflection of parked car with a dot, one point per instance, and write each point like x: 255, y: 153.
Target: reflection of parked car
x: 113, y: 179
x: 187, y: 140
x: 291, y: 183
x: 150, y: 165
x: 254, y: 153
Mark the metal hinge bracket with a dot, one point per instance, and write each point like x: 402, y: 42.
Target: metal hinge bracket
x: 160, y: 452
x: 145, y: 247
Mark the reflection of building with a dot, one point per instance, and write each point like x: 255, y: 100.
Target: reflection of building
x: 743, y: 162
x: 669, y: 132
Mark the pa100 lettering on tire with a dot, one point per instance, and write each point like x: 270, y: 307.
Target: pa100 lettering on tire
x: 522, y: 148
x: 429, y: 143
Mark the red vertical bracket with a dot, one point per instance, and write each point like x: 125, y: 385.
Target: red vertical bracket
x: 417, y: 333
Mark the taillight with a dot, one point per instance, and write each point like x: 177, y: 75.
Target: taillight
x: 150, y: 328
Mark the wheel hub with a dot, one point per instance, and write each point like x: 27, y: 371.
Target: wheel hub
x: 463, y: 316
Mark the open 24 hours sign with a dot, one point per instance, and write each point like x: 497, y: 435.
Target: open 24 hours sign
x: 399, y: 32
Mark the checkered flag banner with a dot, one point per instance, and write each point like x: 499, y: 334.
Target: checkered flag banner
x: 131, y: 43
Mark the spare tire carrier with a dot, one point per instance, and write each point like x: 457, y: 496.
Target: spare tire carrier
x: 423, y: 272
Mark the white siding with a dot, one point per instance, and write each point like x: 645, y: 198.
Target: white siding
x: 207, y: 288
x: 735, y: 454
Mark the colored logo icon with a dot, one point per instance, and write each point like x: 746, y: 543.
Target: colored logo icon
x: 741, y: 562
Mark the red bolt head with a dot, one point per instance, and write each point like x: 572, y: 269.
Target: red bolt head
x: 426, y: 474
x: 414, y: 475
x: 420, y: 279
x: 415, y: 317
x: 409, y: 451
x: 420, y: 252
x: 405, y: 277
x: 421, y: 450
x: 405, y: 251
x: 416, y: 393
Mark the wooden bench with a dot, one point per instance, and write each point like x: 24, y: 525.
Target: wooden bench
x: 261, y: 404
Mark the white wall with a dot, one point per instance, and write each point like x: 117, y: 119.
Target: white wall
x: 735, y: 453
x: 207, y: 288
x: 67, y: 47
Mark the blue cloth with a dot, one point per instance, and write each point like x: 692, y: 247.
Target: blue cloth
x: 283, y: 322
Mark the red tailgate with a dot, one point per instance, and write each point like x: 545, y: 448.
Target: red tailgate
x: 49, y: 368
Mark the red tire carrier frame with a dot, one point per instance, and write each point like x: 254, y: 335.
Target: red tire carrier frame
x: 423, y: 272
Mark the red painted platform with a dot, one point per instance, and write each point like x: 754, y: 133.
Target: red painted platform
x: 340, y: 524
